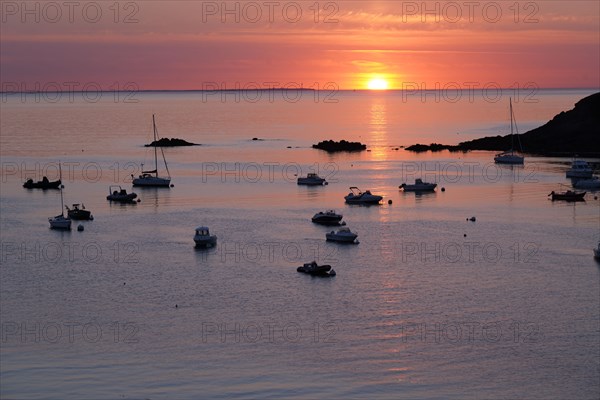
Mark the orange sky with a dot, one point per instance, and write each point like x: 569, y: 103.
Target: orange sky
x: 346, y: 44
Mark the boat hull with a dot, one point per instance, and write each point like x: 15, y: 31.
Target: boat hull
x: 317, y: 270
x: 335, y: 237
x: 568, y: 197
x: 152, y: 181
x: 419, y: 188
x: 42, y: 185
x: 60, y: 223
x: 509, y: 159
x: 593, y: 184
x: 80, y: 215
x: 363, y: 199
x: 579, y: 174
x: 205, y: 242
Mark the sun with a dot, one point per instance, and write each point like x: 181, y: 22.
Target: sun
x: 377, y: 84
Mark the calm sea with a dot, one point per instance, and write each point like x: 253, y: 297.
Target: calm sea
x: 428, y: 305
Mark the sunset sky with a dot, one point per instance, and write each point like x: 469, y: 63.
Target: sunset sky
x: 352, y: 44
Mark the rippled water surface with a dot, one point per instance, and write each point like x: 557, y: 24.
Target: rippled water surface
x: 428, y: 305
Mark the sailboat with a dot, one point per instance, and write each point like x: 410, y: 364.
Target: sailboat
x: 60, y: 221
x: 509, y: 157
x: 151, y: 178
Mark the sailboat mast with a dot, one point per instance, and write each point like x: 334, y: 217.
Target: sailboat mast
x: 62, y: 204
x: 512, y: 144
x: 155, y: 145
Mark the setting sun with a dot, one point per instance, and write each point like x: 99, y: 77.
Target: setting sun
x: 377, y: 84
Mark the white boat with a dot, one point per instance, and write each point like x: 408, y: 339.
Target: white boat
x: 419, y: 186
x: 509, y: 157
x: 579, y: 169
x: 329, y: 217
x: 357, y: 197
x: 151, y: 178
x: 60, y: 221
x: 592, y: 183
x: 312, y: 179
x: 344, y: 235
x: 203, y: 238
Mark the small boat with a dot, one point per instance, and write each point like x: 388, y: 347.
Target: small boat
x: 312, y: 179
x: 203, y: 238
x: 60, y: 221
x: 592, y: 183
x: 151, y: 178
x: 78, y: 213
x: 314, y: 269
x: 43, y: 184
x: 343, y: 235
x: 329, y: 217
x: 120, y: 195
x: 579, y: 169
x: 357, y: 197
x: 597, y: 252
x: 509, y: 157
x: 569, y: 195
x: 419, y: 186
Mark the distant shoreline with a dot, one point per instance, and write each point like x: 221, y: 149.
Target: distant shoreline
x: 285, y: 89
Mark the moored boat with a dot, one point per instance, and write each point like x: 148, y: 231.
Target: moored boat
x: 418, y: 186
x: 510, y: 157
x: 60, y: 221
x: 356, y: 196
x: 120, y: 195
x: 203, y: 238
x: 592, y: 183
x: 150, y: 178
x: 314, y: 269
x: 329, y: 217
x: 43, y: 184
x: 79, y: 213
x: 312, y: 179
x: 579, y: 169
x: 569, y: 195
x: 343, y: 235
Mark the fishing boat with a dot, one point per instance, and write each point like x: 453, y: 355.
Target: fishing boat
x: 116, y: 193
x: 43, y: 184
x: 579, y: 169
x: 419, y: 186
x: 79, y: 213
x: 312, y: 179
x: 329, y: 217
x: 569, y: 195
x: 509, y: 157
x: 343, y: 235
x: 312, y: 268
x: 150, y: 178
x: 60, y: 221
x: 203, y: 238
x: 357, y: 197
